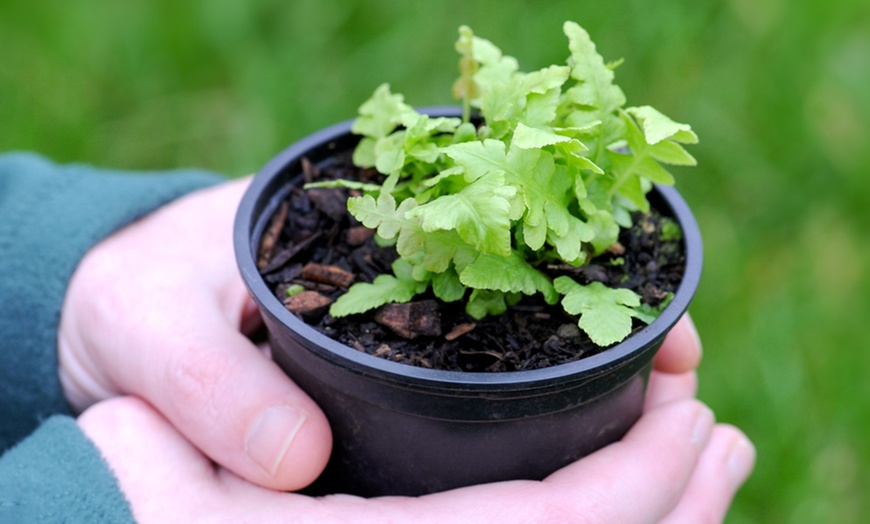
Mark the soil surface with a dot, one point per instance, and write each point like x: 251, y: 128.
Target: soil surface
x: 314, y: 245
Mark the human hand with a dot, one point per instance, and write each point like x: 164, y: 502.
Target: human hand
x: 727, y: 460
x: 674, y: 466
x: 158, y: 310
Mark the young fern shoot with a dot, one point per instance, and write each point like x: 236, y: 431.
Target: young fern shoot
x: 547, y: 172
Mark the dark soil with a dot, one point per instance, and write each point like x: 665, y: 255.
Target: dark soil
x: 313, y: 242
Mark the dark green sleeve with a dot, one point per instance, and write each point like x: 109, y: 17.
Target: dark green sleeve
x: 50, y: 215
x: 57, y: 475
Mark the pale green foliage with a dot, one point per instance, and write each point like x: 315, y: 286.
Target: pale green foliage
x: 293, y: 290
x: 483, y: 302
x: 551, y: 175
x: 509, y: 274
x: 480, y: 213
x: 605, y: 313
x: 398, y: 287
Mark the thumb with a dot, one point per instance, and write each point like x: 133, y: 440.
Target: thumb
x: 238, y: 407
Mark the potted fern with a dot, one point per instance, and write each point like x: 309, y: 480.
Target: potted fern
x: 474, y: 294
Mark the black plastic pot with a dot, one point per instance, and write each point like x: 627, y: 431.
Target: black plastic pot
x: 403, y: 430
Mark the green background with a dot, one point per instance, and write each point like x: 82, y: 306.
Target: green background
x: 778, y: 91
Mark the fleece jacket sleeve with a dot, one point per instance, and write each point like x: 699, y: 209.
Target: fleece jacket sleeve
x: 50, y: 215
x: 56, y: 475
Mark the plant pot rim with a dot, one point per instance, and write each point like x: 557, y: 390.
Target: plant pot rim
x: 248, y: 226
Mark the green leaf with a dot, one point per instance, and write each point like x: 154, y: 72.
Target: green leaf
x: 483, y: 302
x: 478, y: 158
x: 546, y: 79
x: 580, y: 162
x: 654, y: 172
x: 569, y: 244
x: 364, y: 153
x: 410, y: 237
x: 671, y: 230
x: 646, y: 313
x: 420, y: 130
x: 507, y: 274
x: 495, y: 67
x: 381, y: 113
x: 628, y: 184
x: 636, y: 162
x: 670, y: 152
x: 363, y: 296
x: 294, y: 290
x: 525, y: 169
x: 535, y: 235
x: 371, y: 212
x: 596, y: 89
x: 442, y: 175
x: 598, y: 197
x: 658, y: 127
x: 350, y: 184
x: 440, y: 248
x: 532, y: 170
x: 526, y: 137
x: 541, y: 109
x: 606, y: 231
x: 595, y: 98
x: 381, y: 214
x: 390, y: 153
x: 447, y: 286
x: 580, y: 191
x: 479, y: 213
x: 586, y: 130
x: 505, y: 93
x: 605, y: 313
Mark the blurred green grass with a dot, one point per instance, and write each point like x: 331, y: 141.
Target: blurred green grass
x: 778, y: 91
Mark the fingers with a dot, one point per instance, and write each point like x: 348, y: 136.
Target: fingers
x: 240, y: 409
x: 158, y: 310
x: 724, y: 466
x: 637, y: 480
x: 156, y: 468
x: 674, y: 464
x: 251, y: 321
x: 681, y: 350
x: 667, y: 387
x: 644, y: 475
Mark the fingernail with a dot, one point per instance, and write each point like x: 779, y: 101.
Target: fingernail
x: 703, y: 426
x: 741, y: 460
x: 270, y: 436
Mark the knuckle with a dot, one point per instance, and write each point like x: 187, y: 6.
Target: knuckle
x: 194, y: 380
